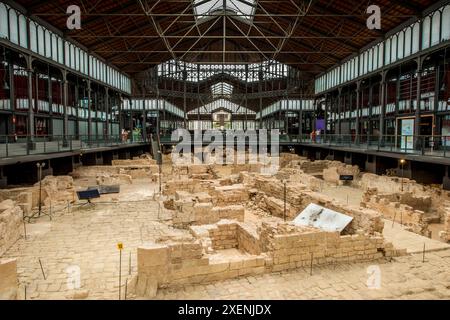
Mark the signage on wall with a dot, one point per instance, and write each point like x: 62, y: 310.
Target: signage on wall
x: 427, y: 95
x: 346, y: 177
x: 407, y: 137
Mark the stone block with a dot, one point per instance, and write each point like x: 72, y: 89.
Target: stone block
x: 152, y: 255
x: 8, y: 280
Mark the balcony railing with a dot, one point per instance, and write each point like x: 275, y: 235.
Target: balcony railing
x: 432, y: 146
x: 17, y: 146
x: 435, y: 146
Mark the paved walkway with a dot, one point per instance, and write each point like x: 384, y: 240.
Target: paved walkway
x: 87, y: 239
x: 412, y: 242
x: 403, y: 278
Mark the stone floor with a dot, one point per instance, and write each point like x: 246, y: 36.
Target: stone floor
x: 402, y: 278
x: 87, y: 238
x: 412, y: 242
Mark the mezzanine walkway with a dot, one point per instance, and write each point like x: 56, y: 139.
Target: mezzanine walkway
x: 23, y: 149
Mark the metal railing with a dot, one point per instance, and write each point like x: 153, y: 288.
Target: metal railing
x: 17, y: 146
x: 436, y: 146
x: 433, y: 146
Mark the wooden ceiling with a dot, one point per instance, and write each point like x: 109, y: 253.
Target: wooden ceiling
x: 135, y: 35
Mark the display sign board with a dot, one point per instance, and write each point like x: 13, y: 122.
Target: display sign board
x: 88, y: 194
x: 407, y: 138
x: 322, y: 218
x: 106, y: 189
x: 346, y: 178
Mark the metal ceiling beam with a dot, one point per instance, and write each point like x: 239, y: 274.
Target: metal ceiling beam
x: 95, y: 19
x: 409, y: 6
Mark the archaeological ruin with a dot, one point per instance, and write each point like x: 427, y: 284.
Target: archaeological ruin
x: 261, y: 151
x: 195, y: 225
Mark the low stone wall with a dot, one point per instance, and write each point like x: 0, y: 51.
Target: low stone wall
x: 115, y: 179
x: 26, y: 198
x: 188, y: 185
x: 385, y: 184
x: 198, y: 209
x: 57, y: 190
x: 135, y: 171
x: 248, y: 239
x: 270, y: 248
x: 135, y: 162
x: 314, y: 167
x: 287, y: 158
x: 226, y: 195
x: 334, y: 173
x: 276, y: 207
x: 299, y: 197
x: 11, y: 227
x: 204, y: 202
x: 224, y: 236
x: 291, y: 247
x: 294, y: 176
x: 94, y: 171
x: 393, y: 207
x: 8, y: 280
x: 445, y: 234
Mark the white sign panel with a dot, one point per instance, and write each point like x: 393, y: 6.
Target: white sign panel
x: 407, y: 142
x: 322, y: 218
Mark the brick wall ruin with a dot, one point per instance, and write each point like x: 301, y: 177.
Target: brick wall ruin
x: 269, y: 248
x: 445, y: 234
x: 198, y: 201
x: 402, y: 209
x: 298, y: 197
x: 332, y: 174
x: 10, y: 224
x: 8, y: 280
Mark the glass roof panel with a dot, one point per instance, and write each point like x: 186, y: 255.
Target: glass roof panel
x: 222, y: 89
x: 244, y: 9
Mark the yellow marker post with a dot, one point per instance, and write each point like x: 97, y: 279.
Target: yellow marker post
x: 120, y: 248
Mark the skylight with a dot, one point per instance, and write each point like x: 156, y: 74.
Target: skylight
x: 244, y: 9
x: 222, y: 104
x: 222, y: 89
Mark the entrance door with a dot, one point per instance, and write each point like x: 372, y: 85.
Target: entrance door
x: 4, y: 120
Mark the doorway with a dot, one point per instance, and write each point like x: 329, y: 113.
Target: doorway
x: 426, y: 130
x: 4, y: 121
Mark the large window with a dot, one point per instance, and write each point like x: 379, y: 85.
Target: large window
x: 198, y: 72
x: 222, y: 89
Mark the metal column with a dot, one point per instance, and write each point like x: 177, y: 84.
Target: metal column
x: 31, y: 130
x: 417, y: 142
x: 383, y: 107
x: 358, y: 109
x: 65, y: 106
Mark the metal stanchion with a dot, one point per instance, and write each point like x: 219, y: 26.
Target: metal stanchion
x: 285, y: 194
x: 120, y: 247
x: 402, y: 163
x: 40, y: 166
